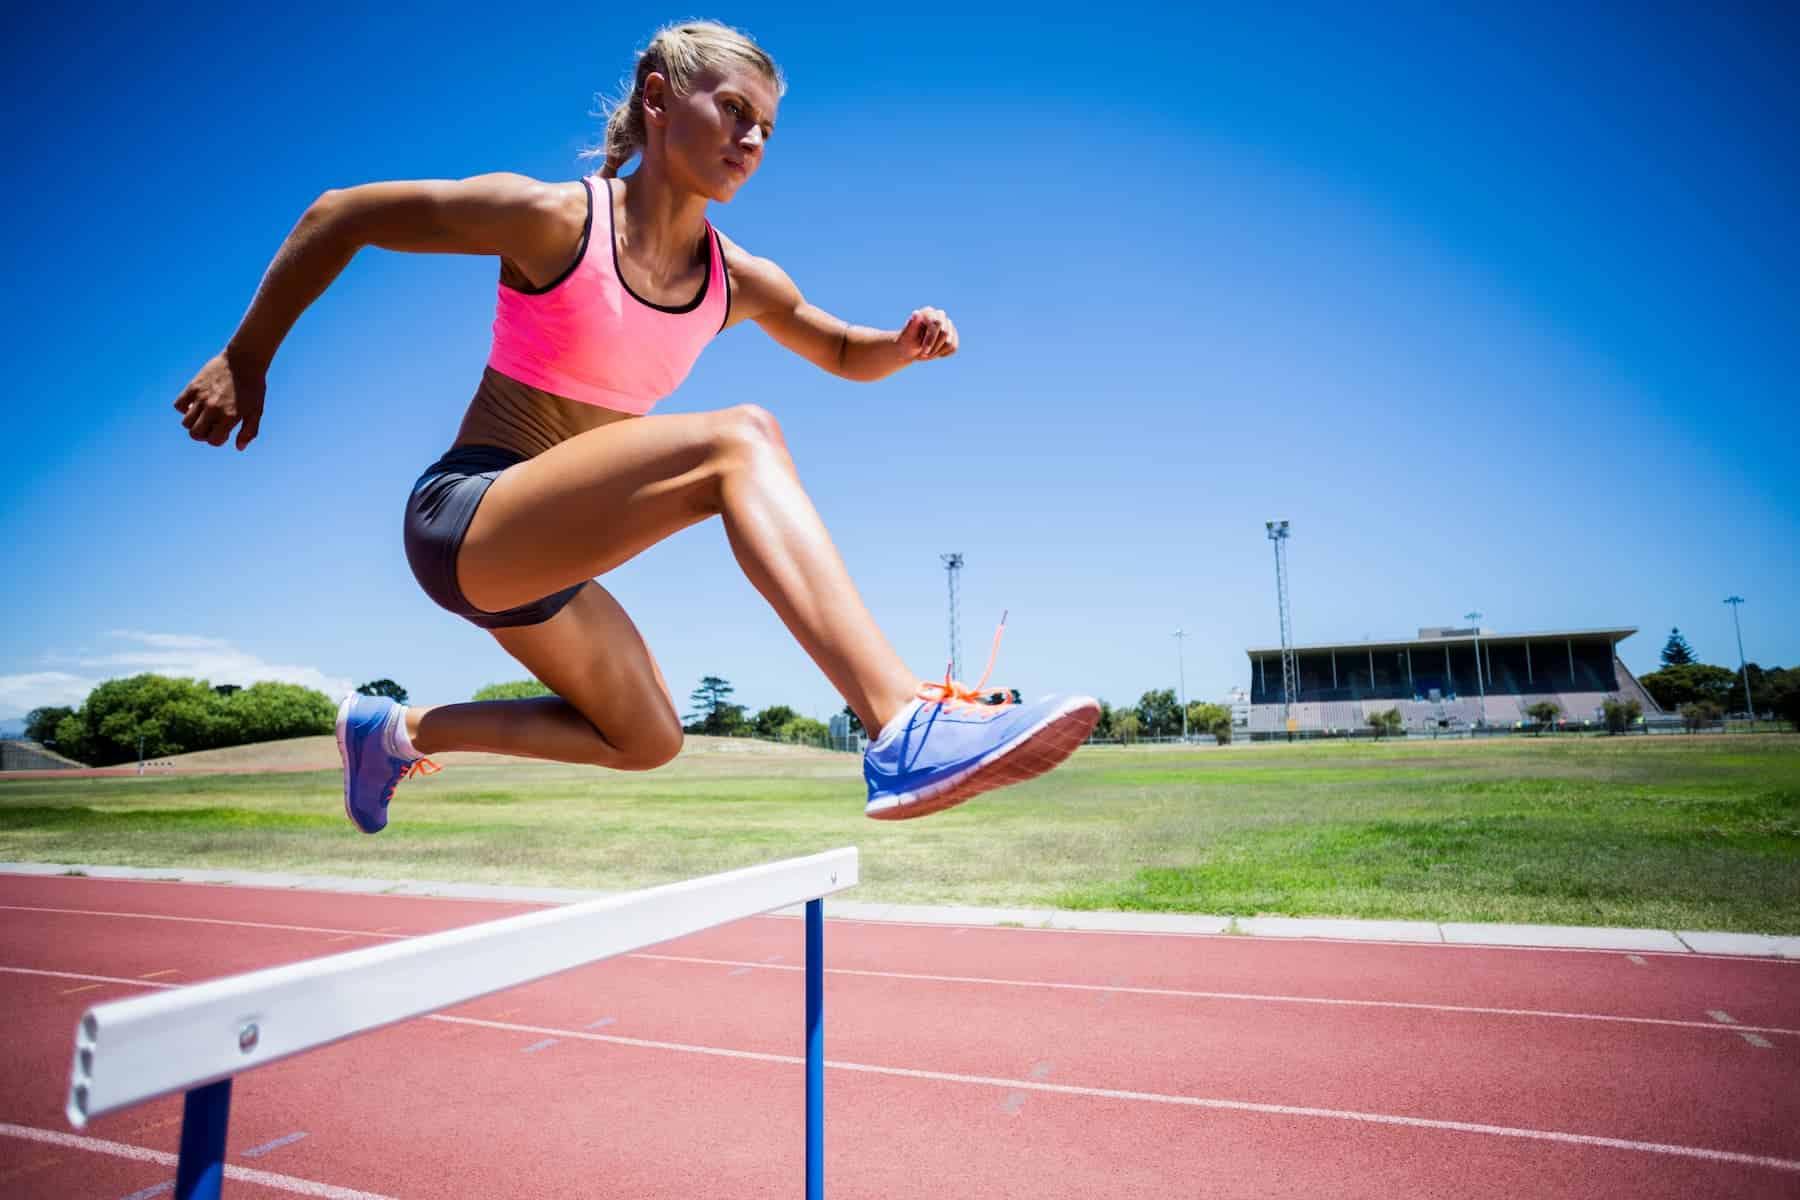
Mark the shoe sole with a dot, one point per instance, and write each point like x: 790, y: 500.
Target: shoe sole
x: 1051, y: 741
x: 343, y: 724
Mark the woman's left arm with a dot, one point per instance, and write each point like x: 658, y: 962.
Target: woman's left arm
x: 766, y: 295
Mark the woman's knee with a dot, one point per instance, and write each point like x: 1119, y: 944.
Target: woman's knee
x: 749, y: 428
x: 646, y: 749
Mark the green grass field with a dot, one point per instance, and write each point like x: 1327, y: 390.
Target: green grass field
x: 1671, y: 832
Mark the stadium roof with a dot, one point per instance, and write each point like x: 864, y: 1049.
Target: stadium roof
x: 1451, y: 637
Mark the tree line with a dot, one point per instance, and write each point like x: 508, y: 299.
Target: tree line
x: 1703, y: 693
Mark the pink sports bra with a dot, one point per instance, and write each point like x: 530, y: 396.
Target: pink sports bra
x: 587, y: 336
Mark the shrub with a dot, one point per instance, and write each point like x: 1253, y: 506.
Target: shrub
x: 1701, y: 714
x: 1620, y: 714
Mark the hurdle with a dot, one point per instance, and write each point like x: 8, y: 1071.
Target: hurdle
x: 196, y: 1039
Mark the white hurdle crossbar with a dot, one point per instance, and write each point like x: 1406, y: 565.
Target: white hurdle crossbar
x: 194, y: 1039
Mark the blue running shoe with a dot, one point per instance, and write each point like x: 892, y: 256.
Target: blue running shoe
x: 370, y: 770
x: 954, y: 742
x: 940, y: 752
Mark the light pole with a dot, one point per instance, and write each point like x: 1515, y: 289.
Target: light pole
x: 1743, y: 670
x: 1480, y: 684
x: 1181, y: 680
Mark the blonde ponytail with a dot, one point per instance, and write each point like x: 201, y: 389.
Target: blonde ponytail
x: 679, y: 53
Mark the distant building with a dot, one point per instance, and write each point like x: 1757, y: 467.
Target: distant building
x: 1432, y: 679
x: 843, y: 737
x: 1238, y: 701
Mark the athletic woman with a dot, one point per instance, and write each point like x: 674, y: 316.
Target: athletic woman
x: 608, y: 290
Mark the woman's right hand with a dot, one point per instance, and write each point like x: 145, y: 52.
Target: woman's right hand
x: 227, y: 389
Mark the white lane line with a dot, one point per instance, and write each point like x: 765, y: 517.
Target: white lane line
x: 1761, y: 1043
x: 1034, y: 1085
x: 954, y: 928
x: 1279, y: 1110
x: 1723, y: 1018
x: 93, y: 1145
x: 1637, y: 960
x: 1109, y: 988
x: 88, y: 912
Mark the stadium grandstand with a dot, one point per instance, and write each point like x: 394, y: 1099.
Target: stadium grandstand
x: 1432, y: 680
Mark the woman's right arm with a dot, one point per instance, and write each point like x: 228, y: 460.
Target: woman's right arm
x: 509, y: 215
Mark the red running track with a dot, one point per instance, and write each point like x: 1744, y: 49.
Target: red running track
x: 965, y: 1061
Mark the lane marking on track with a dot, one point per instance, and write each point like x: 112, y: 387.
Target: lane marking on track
x: 1580, y: 1139
x: 543, y: 1045
x: 1637, y: 960
x: 155, y: 1189
x: 1279, y: 1110
x: 954, y: 929
x: 1723, y: 1018
x: 1107, y: 989
x: 87, y: 912
x: 1761, y: 1043
x: 159, y: 974
x: 286, y: 1183
x: 1270, y: 939
x: 86, y: 987
x: 278, y: 1143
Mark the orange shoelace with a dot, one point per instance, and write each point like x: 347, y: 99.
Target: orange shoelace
x: 951, y: 692
x: 420, y: 766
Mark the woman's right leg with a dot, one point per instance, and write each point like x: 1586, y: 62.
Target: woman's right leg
x: 593, y: 502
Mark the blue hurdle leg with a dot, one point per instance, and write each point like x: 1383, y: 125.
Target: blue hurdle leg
x: 815, y: 1050
x: 201, y: 1168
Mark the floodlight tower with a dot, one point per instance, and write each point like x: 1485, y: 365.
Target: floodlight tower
x: 1480, y: 684
x: 953, y: 567
x: 1181, y: 682
x: 1743, y: 670
x: 1290, y: 666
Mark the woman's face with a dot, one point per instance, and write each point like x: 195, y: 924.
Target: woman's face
x: 714, y: 137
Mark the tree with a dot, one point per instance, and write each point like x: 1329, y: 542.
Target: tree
x: 163, y: 716
x: 519, y: 689
x: 768, y: 722
x: 1210, y: 718
x: 855, y: 721
x: 1125, y: 725
x: 1158, y: 713
x: 1620, y: 714
x: 226, y: 689
x: 807, y: 731
x: 706, y: 699
x: 1544, y: 712
x: 1672, y: 687
x: 1386, y: 723
x: 388, y: 688
x: 41, y: 723
x: 1788, y: 708
x: 1676, y: 652
x: 1701, y: 714
x: 727, y: 720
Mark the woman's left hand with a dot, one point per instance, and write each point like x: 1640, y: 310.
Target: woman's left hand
x: 928, y: 334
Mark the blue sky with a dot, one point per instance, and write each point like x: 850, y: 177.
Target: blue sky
x: 1497, y: 309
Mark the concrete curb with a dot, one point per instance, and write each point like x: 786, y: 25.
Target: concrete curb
x: 1560, y: 937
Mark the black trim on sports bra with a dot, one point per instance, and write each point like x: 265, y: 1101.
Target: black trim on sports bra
x: 613, y: 238
x: 580, y: 253
x: 725, y: 274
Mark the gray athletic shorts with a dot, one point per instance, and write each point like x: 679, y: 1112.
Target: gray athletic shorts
x: 438, y: 513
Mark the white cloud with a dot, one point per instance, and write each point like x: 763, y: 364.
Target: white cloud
x: 19, y: 694
x: 181, y: 655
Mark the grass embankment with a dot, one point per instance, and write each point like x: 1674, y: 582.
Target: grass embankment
x: 1690, y: 833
